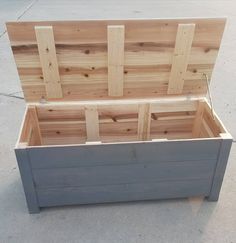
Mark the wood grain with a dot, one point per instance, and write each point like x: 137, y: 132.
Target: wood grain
x: 81, y: 48
x: 115, y: 42
x: 48, y: 60
x: 180, y: 59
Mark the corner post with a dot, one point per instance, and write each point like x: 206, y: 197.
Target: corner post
x: 27, y: 179
x: 220, y: 166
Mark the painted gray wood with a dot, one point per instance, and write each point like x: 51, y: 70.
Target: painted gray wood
x: 123, y: 192
x: 27, y: 180
x: 66, y: 175
x: 124, y: 173
x: 103, y: 154
x: 220, y: 168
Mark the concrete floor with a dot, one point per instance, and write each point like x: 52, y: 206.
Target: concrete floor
x: 187, y: 220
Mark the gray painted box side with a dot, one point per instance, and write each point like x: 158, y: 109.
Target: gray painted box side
x: 65, y: 175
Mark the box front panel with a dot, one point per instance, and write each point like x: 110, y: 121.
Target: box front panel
x: 123, y: 172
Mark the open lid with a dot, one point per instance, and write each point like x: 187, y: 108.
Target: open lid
x: 114, y: 59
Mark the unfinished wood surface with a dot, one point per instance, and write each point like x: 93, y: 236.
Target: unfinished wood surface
x: 180, y: 59
x: 35, y: 125
x: 115, y: 42
x: 198, y: 119
x: 118, y: 122
x: 83, y: 59
x: 144, y: 122
x: 25, y: 130
x: 48, y: 60
x: 92, y: 123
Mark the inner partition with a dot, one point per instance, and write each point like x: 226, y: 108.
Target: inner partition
x: 118, y: 122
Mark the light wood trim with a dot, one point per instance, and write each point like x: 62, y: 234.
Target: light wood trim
x: 144, y: 122
x: 207, y: 129
x: 174, y: 106
x: 217, y: 120
x: 198, y: 119
x: 35, y: 124
x: 25, y: 130
x: 115, y: 38
x: 48, y: 60
x: 226, y: 135
x: 181, y: 55
x: 92, y: 123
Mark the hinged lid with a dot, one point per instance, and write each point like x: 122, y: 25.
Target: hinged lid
x: 114, y: 59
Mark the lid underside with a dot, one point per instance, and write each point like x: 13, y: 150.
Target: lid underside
x: 114, y: 59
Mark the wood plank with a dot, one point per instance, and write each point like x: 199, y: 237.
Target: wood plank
x: 27, y: 179
x: 173, y: 106
x: 207, y: 128
x: 48, y: 60
x: 180, y: 59
x: 115, y: 38
x: 25, y: 130
x: 123, y: 173
x: 92, y: 123
x: 220, y: 166
x: 142, y: 30
x: 123, y: 192
x: 144, y: 122
x: 198, y: 119
x: 35, y: 125
x: 101, y: 154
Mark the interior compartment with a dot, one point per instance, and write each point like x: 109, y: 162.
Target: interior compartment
x: 120, y: 121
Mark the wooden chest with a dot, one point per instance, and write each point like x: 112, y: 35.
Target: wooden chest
x: 117, y: 110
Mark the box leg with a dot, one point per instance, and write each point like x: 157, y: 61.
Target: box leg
x: 220, y: 167
x: 27, y: 180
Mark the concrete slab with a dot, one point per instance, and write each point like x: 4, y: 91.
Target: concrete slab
x: 188, y: 220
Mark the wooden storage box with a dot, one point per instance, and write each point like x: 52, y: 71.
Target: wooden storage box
x: 117, y: 110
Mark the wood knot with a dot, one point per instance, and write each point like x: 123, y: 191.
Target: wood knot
x: 86, y: 75
x: 87, y: 52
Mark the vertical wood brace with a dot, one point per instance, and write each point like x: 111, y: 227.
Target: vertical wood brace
x: 198, y: 119
x: 144, y: 122
x: 92, y: 123
x: 180, y: 59
x: 48, y: 60
x: 27, y: 179
x: 115, y: 39
x: 220, y: 166
x: 35, y: 124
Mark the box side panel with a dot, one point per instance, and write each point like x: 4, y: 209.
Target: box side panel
x: 27, y: 180
x: 220, y: 168
x: 123, y: 172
